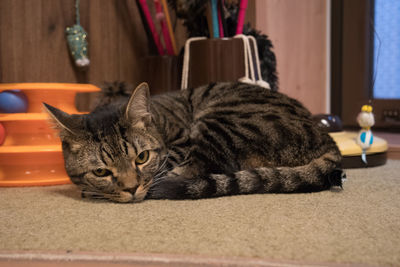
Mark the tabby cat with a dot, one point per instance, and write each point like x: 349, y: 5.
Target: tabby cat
x: 216, y: 140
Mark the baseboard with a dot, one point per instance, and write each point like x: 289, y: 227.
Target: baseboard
x: 74, y: 259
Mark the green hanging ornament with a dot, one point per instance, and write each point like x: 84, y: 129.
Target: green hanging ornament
x: 76, y: 38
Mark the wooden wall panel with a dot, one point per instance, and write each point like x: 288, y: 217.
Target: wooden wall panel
x: 298, y: 31
x: 33, y: 46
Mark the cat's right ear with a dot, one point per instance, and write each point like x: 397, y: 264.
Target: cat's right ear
x: 63, y: 120
x: 138, y: 107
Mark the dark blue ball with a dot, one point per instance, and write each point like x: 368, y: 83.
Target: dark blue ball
x: 13, y: 101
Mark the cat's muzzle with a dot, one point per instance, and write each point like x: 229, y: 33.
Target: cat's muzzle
x: 131, y: 190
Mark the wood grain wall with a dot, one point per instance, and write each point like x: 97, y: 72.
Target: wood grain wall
x: 298, y: 29
x: 33, y: 46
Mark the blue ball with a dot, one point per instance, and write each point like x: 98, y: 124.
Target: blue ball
x: 13, y: 101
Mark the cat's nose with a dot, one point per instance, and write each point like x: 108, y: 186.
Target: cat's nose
x: 127, y: 185
x: 131, y: 190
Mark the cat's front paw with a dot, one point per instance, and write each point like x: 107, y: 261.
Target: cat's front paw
x: 168, y: 188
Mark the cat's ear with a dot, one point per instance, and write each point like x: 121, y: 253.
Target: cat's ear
x: 63, y: 120
x: 138, y: 108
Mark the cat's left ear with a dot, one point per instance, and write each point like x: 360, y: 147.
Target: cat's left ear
x: 138, y: 108
x: 63, y: 121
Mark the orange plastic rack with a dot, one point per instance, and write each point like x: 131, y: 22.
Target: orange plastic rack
x: 31, y: 153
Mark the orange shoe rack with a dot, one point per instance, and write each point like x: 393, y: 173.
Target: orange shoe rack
x: 31, y: 153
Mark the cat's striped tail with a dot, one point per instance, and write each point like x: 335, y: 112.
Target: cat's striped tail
x: 319, y: 174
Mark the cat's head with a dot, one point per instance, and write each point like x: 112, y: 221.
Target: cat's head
x: 113, y: 152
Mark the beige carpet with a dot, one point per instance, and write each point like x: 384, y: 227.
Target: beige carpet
x: 360, y: 224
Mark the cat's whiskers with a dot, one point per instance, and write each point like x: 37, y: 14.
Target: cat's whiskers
x: 95, y: 195
x: 156, y: 182
x: 165, y: 160
x: 162, y: 175
x: 161, y: 170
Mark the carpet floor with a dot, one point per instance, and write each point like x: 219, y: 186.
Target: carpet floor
x: 357, y: 225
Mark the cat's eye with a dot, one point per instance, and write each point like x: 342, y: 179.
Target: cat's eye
x: 101, y: 172
x: 142, y: 157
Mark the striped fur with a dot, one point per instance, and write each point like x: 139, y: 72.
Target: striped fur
x: 216, y: 140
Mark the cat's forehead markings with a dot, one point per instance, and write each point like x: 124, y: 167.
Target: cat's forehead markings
x: 124, y: 146
x: 142, y: 143
x: 93, y: 161
x: 131, y: 149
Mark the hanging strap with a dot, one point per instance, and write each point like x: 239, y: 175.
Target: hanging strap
x: 186, y: 59
x: 248, y: 61
x: 260, y: 81
x: 248, y: 42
